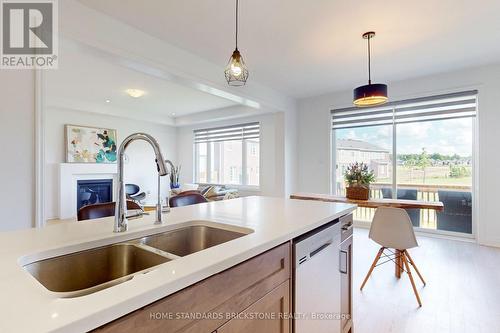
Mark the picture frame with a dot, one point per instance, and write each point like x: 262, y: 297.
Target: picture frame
x: 86, y: 144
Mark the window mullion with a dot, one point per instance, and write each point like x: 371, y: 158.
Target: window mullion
x: 335, y: 170
x: 209, y: 160
x: 244, y: 180
x: 196, y: 176
x: 394, y: 158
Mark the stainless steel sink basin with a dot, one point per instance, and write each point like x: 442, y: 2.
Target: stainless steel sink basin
x: 88, y: 271
x: 187, y: 240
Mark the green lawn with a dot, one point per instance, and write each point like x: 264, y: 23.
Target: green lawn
x: 433, y: 176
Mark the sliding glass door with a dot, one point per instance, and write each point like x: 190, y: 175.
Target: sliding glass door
x: 434, y: 163
x: 419, y: 149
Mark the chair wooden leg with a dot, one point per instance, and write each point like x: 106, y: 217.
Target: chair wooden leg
x: 377, y: 257
x: 414, y: 266
x: 408, y: 271
x: 398, y: 263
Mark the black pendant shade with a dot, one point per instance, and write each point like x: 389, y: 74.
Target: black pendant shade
x: 370, y: 94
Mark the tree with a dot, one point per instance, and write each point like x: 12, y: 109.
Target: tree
x: 423, y: 161
x: 437, y: 157
x: 420, y: 161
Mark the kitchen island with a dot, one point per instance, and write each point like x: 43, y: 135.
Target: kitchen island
x: 29, y: 307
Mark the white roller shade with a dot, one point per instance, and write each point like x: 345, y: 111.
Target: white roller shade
x: 227, y: 133
x: 456, y: 105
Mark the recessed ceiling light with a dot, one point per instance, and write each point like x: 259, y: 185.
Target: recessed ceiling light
x: 173, y: 114
x: 108, y: 101
x: 135, y: 93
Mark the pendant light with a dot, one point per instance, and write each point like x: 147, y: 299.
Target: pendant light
x: 370, y: 94
x: 236, y: 71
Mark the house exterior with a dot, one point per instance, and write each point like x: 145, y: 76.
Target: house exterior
x: 351, y: 151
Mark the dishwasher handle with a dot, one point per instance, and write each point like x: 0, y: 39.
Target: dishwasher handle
x: 319, y: 249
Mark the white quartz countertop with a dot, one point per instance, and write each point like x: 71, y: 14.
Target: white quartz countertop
x: 26, y: 306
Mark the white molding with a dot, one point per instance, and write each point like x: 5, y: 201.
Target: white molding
x: 221, y: 114
x: 39, y: 144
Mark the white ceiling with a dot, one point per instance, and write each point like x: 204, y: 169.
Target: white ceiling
x: 304, y: 48
x: 84, y: 81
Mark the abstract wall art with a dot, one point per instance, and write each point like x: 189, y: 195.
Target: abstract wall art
x: 90, y: 144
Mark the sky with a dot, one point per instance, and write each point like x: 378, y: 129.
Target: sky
x: 447, y: 137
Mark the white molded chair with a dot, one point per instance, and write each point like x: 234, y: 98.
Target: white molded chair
x: 392, y: 229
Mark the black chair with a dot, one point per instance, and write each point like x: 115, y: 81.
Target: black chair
x: 457, y: 213
x: 132, y: 192
x: 406, y: 194
x: 186, y: 199
x: 97, y: 211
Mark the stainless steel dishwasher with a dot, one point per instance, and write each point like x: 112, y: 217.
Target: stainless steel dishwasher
x: 322, y: 279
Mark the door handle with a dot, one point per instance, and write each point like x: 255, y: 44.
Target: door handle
x: 347, y: 227
x: 343, y: 259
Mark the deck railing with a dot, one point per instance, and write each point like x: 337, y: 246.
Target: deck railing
x: 428, y: 217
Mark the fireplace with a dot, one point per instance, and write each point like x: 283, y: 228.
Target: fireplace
x: 93, y: 191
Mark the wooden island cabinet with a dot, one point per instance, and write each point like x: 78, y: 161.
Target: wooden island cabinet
x: 253, y: 296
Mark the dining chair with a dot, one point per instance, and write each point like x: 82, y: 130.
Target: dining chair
x: 99, y: 210
x: 186, y: 199
x: 132, y: 193
x: 406, y: 194
x: 392, y: 229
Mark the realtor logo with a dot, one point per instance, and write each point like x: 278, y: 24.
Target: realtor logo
x: 29, y: 34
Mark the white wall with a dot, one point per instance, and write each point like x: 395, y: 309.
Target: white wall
x: 140, y: 169
x: 17, y: 105
x: 291, y: 142
x: 314, y: 136
x: 271, y: 147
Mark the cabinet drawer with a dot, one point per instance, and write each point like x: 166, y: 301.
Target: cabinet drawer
x: 270, y: 314
x: 230, y: 291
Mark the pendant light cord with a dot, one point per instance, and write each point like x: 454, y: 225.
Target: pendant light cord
x: 369, y: 62
x: 236, y: 35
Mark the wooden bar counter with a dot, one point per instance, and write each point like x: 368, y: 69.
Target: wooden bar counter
x: 371, y: 203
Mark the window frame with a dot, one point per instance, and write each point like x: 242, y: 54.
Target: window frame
x: 244, y: 177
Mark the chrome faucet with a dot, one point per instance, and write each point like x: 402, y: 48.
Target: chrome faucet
x: 121, y: 205
x: 167, y: 204
x: 172, y: 167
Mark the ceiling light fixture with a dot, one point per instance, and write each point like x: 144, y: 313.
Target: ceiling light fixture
x: 108, y: 101
x: 370, y: 94
x: 236, y: 71
x: 135, y: 93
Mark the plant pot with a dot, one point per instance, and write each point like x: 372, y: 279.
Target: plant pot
x: 358, y: 192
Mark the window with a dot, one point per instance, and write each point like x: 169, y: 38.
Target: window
x: 228, y: 155
x: 419, y: 149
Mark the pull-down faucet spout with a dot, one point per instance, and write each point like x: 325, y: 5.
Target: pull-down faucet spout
x: 121, y: 204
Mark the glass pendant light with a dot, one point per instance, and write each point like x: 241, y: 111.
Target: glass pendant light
x: 370, y: 94
x: 236, y: 71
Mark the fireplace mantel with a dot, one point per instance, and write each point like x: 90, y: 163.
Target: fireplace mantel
x: 70, y: 173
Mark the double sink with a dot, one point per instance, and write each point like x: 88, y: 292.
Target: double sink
x: 88, y: 271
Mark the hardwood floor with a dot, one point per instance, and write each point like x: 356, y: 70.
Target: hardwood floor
x: 462, y: 292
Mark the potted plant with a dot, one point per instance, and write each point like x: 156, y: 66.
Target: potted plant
x: 358, y: 178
